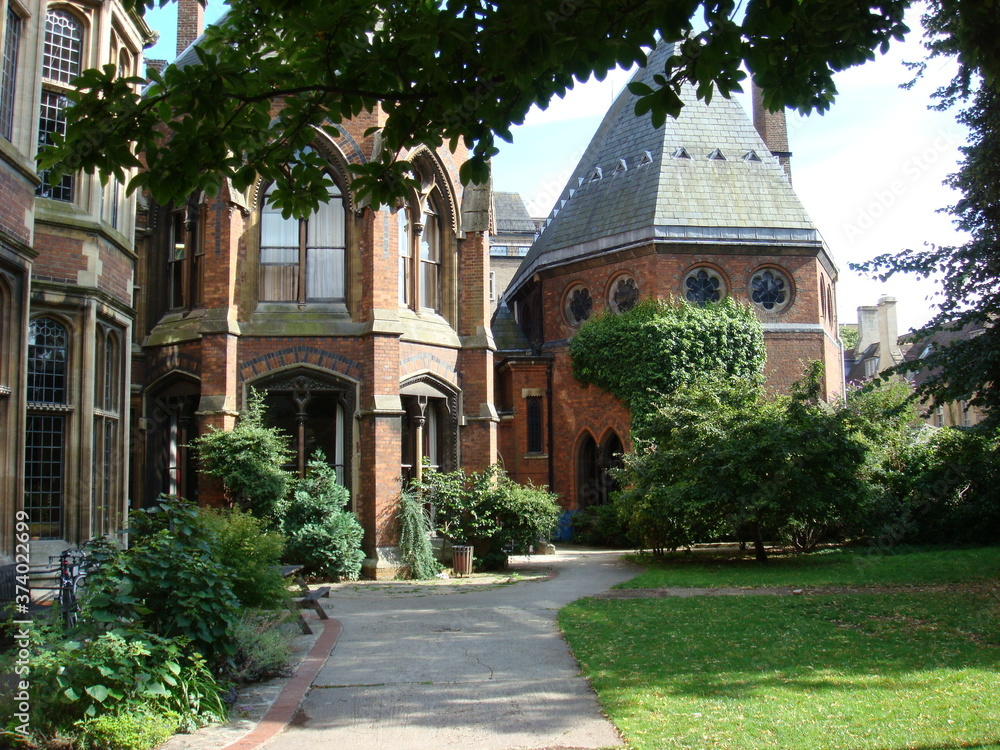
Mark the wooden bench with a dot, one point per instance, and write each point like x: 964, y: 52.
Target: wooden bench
x: 308, y: 600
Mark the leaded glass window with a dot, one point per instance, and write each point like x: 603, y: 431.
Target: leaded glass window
x: 430, y: 261
x: 624, y: 294
x: 703, y: 285
x: 8, y: 73
x: 47, y: 355
x: 769, y: 289
x: 60, y: 65
x: 578, y: 305
x: 534, y: 415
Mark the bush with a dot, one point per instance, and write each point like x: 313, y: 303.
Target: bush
x: 168, y: 583
x: 490, y: 511
x: 262, y: 648
x: 320, y: 534
x: 117, y: 673
x: 248, y: 460
x: 141, y: 727
x: 414, y: 542
x: 601, y: 526
x: 251, y: 553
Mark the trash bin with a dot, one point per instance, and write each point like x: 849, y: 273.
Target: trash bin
x: 461, y: 560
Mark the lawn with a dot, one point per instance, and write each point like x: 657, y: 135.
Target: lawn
x: 862, y: 567
x: 847, y: 671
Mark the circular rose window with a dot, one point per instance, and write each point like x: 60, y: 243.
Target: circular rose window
x: 624, y: 294
x: 578, y: 305
x: 703, y: 285
x: 770, y: 290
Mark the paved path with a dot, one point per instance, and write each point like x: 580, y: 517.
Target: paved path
x: 472, y: 669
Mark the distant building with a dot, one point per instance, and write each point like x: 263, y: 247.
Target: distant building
x: 514, y: 231
x: 880, y: 348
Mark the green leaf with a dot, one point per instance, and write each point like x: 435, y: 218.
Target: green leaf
x: 97, y: 692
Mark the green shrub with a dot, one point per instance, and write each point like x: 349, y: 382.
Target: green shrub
x: 141, y: 727
x: 490, y: 511
x: 319, y: 533
x: 601, y: 526
x: 169, y: 583
x: 248, y: 459
x: 252, y: 554
x: 262, y: 647
x: 117, y: 672
x: 414, y: 542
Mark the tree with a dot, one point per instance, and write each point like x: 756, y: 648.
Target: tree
x: 248, y: 459
x: 719, y: 458
x: 650, y: 350
x: 969, y: 369
x: 459, y: 71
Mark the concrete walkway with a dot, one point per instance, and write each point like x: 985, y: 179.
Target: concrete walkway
x: 458, y: 667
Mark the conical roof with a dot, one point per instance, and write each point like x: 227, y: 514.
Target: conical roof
x: 705, y: 177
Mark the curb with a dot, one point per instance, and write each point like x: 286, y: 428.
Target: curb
x: 281, y: 711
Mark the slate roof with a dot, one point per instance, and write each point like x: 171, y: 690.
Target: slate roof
x: 510, y: 214
x: 630, y: 188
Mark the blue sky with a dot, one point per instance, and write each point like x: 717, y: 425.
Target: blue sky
x: 869, y: 172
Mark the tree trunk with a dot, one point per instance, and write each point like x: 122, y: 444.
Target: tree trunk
x: 758, y: 546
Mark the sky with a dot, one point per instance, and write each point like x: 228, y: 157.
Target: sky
x: 869, y: 172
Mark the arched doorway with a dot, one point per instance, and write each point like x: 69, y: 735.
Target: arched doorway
x: 594, y: 465
x: 172, y: 426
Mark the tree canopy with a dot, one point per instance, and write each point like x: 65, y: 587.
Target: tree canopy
x: 455, y: 71
x: 969, y: 368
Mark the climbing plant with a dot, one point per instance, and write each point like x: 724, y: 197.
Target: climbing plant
x: 660, y: 344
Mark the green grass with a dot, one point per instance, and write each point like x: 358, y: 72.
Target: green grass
x: 837, y: 672
x: 710, y: 568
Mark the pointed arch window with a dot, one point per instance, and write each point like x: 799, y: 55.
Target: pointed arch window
x: 420, y: 256
x: 61, y: 63
x: 303, y: 260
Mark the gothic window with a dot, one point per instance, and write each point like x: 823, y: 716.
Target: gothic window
x: 45, y: 429
x: 578, y: 305
x: 8, y: 72
x: 770, y: 290
x: 624, y: 294
x: 421, y: 252
x: 107, y: 419
x: 405, y: 258
x: 595, y: 464
x: 534, y: 419
x: 61, y: 63
x: 303, y: 260
x: 703, y: 285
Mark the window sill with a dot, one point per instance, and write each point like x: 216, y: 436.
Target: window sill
x: 528, y: 456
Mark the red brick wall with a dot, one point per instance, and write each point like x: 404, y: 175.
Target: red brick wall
x: 17, y: 197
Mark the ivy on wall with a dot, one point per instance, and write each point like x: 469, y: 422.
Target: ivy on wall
x: 660, y: 344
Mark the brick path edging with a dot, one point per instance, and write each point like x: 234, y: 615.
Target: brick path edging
x: 281, y: 711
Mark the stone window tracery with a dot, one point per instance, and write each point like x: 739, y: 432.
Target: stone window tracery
x: 624, y: 294
x: 770, y: 290
x: 704, y: 285
x: 61, y: 63
x: 579, y: 305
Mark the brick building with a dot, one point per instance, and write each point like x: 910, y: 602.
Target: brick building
x: 367, y: 331
x: 513, y: 232
x: 67, y: 257
x: 701, y: 208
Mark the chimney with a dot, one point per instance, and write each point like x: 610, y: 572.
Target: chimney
x: 868, y: 329
x: 190, y: 22
x: 888, y: 333
x: 772, y: 129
